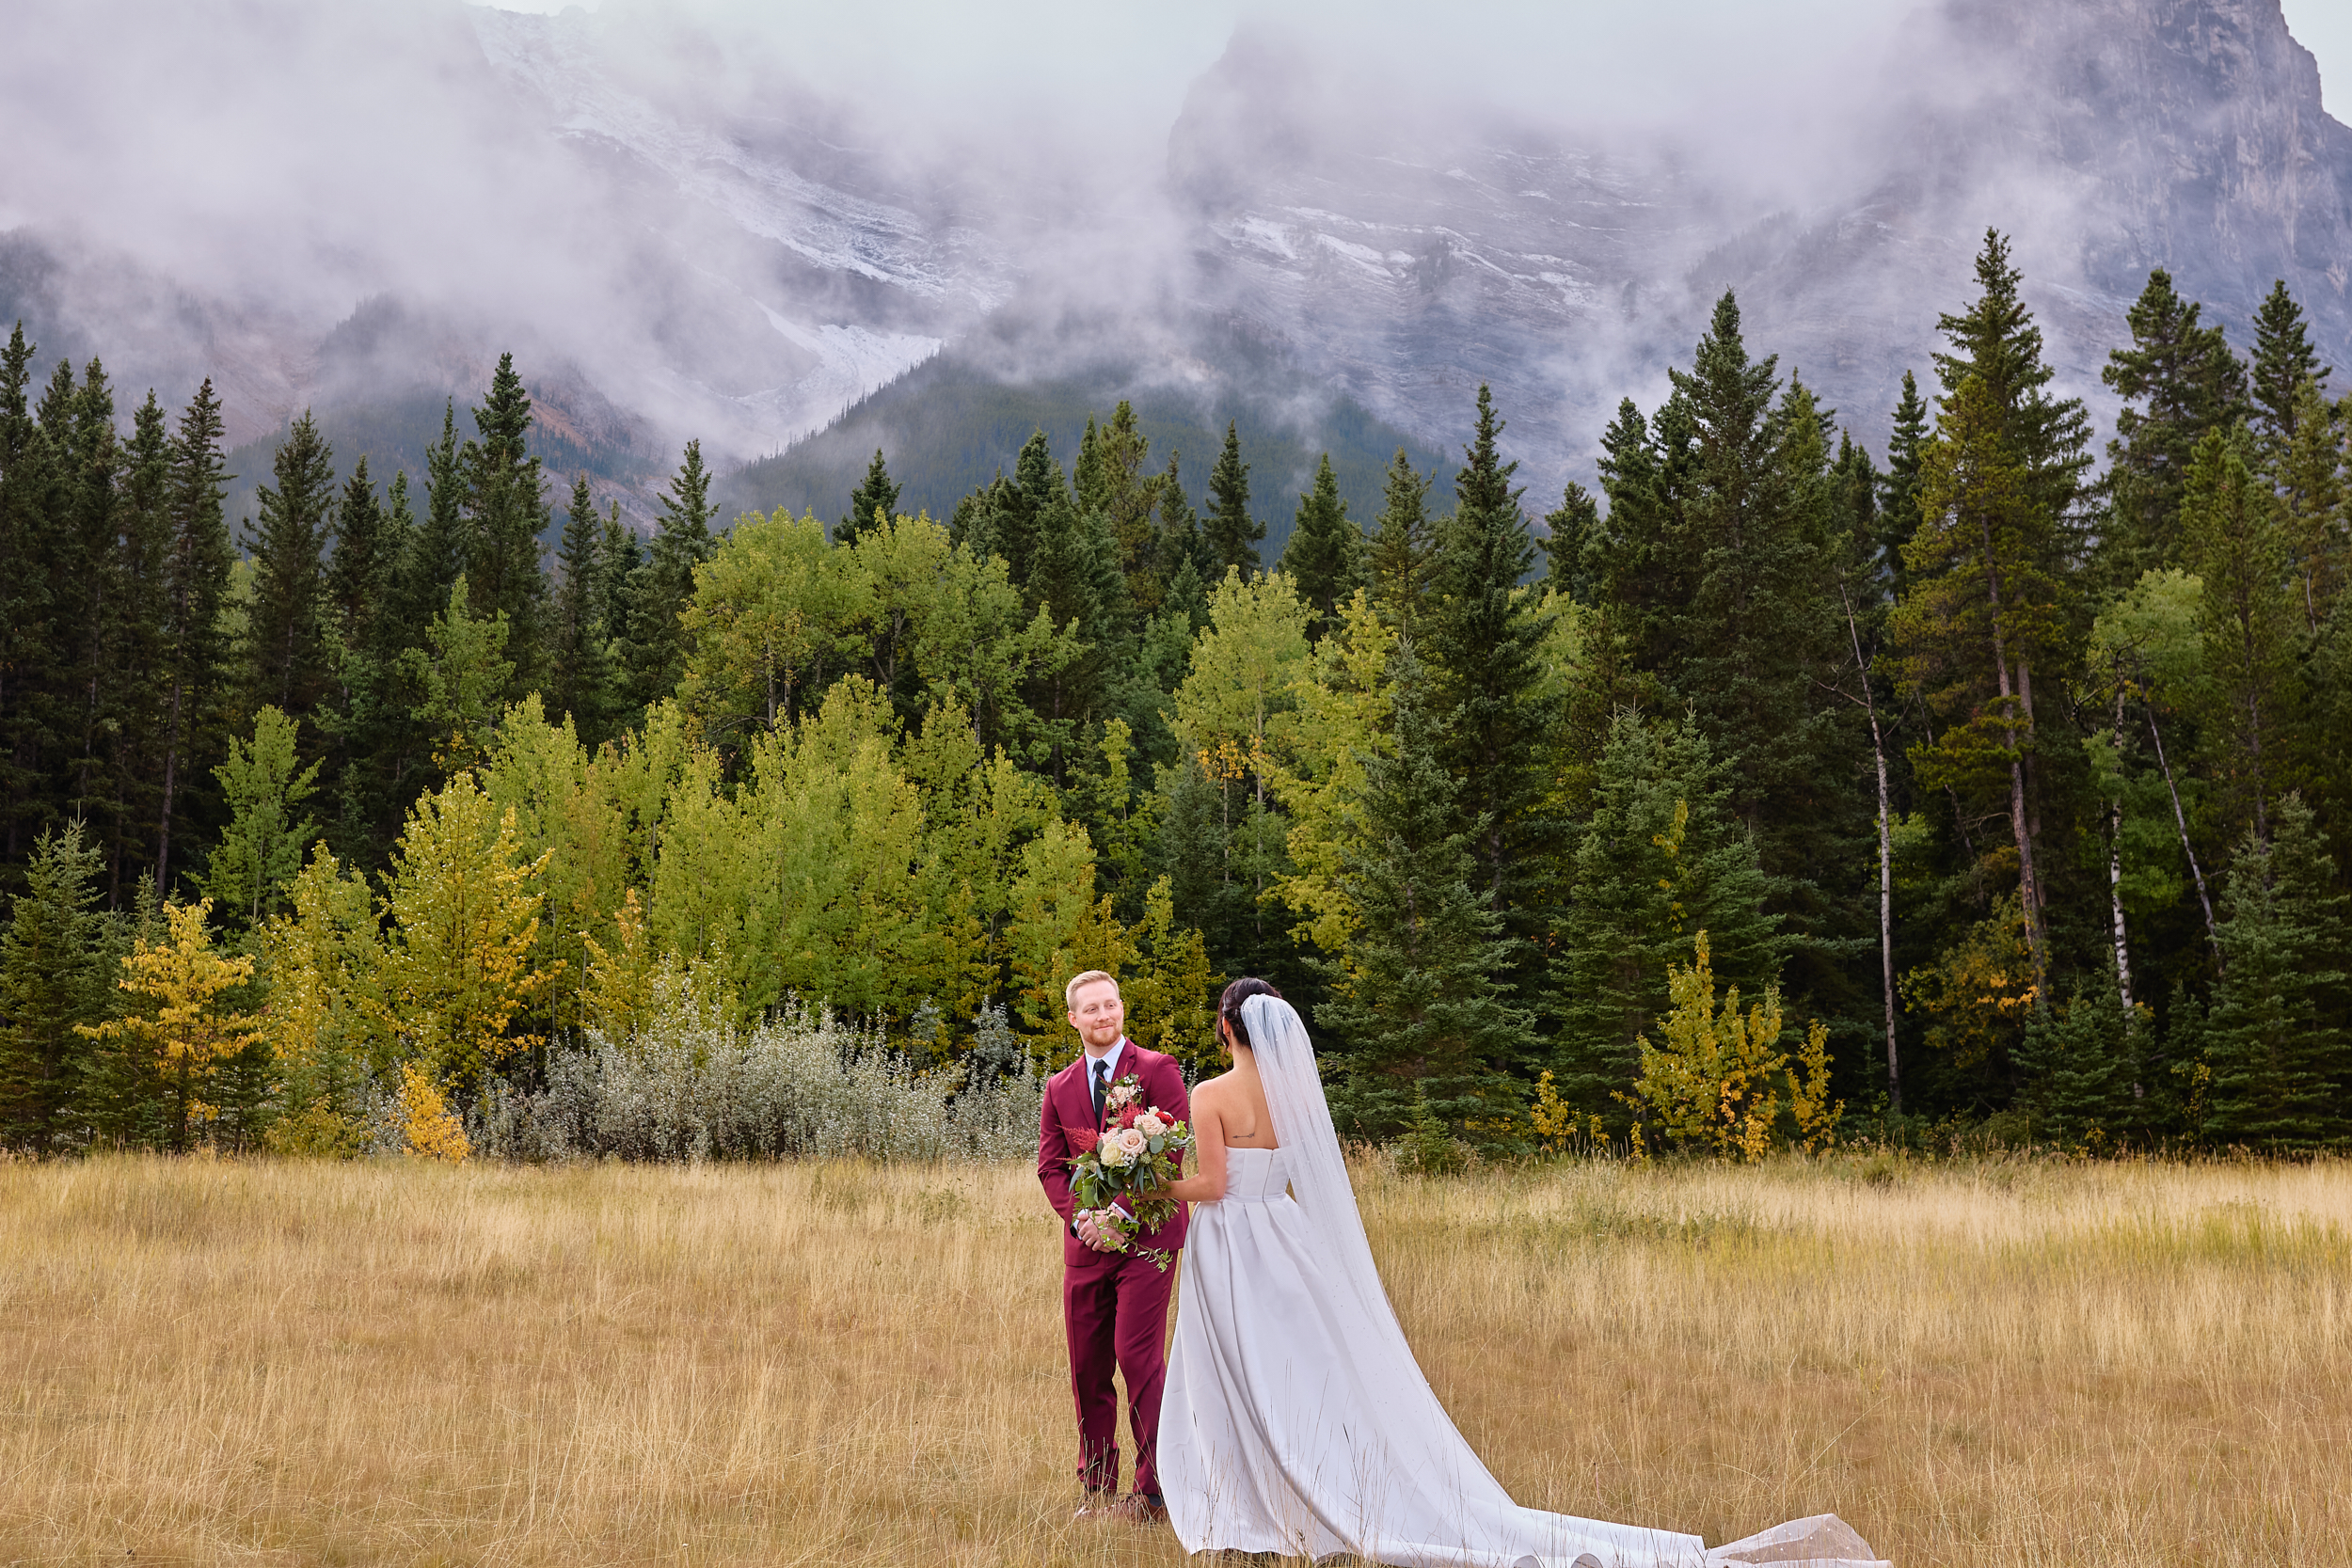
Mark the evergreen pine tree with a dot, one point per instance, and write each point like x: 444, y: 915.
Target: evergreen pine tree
x: 1180, y: 556
x: 2083, y: 1062
x: 1572, y: 544
x: 620, y: 562
x: 579, y: 673
x: 1323, y: 556
x: 506, y: 512
x: 2180, y: 381
x: 2233, y: 540
x: 53, y: 977
x: 25, y: 607
x: 1997, y: 341
x: 2276, y: 1037
x: 436, y: 552
x: 879, y: 493
x: 1404, y: 548
x: 1482, y: 639
x: 1232, y: 533
x: 92, y: 592
x: 1662, y: 859
x: 1898, y: 489
x: 1421, y: 1001
x: 373, y: 748
x: 683, y: 542
x: 134, y: 700
x: 2310, y: 476
x: 196, y: 657
x: 286, y: 651
x: 360, y: 577
x: 2283, y: 360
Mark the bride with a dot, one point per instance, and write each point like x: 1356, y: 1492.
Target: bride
x: 1296, y: 1420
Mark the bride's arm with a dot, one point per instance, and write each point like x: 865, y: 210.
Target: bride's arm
x: 1207, y: 1183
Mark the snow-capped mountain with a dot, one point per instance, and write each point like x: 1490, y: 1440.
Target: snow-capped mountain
x: 743, y: 263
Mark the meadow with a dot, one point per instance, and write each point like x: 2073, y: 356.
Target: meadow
x: 1985, y: 1364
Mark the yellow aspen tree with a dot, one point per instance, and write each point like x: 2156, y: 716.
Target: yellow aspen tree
x: 323, y: 961
x: 429, y: 1129
x: 1342, y: 701
x: 1058, y: 929
x: 1717, y: 1079
x: 182, y: 1022
x: 465, y: 913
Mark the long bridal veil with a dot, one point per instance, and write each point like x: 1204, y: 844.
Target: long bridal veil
x: 1462, y: 1515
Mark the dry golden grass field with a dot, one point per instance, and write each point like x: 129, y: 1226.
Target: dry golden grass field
x: 1978, y: 1365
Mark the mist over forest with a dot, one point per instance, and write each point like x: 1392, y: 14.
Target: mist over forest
x: 524, y: 534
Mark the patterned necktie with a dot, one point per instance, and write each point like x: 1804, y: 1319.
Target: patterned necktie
x: 1101, y: 1086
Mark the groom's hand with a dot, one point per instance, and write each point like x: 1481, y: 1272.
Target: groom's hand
x: 1091, y: 1234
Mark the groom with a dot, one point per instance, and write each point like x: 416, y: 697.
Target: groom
x: 1114, y: 1303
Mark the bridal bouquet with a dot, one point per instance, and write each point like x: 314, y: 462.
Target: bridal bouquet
x: 1140, y: 1152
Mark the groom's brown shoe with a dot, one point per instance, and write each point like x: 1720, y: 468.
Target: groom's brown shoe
x: 1099, y: 1505
x: 1137, y: 1508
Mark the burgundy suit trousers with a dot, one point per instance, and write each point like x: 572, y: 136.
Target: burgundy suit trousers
x: 1115, y: 1309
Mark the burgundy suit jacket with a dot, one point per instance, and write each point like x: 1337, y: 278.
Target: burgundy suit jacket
x: 1070, y: 1108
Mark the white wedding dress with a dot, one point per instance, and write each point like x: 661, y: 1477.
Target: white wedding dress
x: 1296, y: 1419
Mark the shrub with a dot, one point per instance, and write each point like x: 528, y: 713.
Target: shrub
x: 691, y: 1085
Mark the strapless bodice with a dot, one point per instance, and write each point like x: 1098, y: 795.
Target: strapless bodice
x: 1255, y: 1175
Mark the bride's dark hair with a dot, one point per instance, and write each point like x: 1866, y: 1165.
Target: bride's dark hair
x: 1241, y: 990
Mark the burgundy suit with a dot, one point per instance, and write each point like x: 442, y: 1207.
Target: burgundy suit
x: 1114, y: 1303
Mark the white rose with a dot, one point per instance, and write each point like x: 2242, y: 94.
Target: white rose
x: 1150, y: 1124
x: 1114, y: 1153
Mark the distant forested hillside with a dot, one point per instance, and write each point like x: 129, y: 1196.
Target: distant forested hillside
x: 949, y: 427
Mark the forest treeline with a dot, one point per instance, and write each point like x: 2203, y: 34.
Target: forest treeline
x: 1992, y: 781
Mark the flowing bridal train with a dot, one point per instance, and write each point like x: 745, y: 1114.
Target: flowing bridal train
x: 1296, y: 1420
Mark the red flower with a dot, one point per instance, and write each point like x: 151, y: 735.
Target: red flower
x: 1127, y: 1118
x: 1084, y: 1138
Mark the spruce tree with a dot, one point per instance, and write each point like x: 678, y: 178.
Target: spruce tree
x: 1323, y: 556
x: 25, y: 607
x: 1181, y: 557
x: 2283, y: 360
x: 135, y: 655
x: 621, y: 565
x: 1421, y: 1000
x: 579, y: 673
x: 1572, y: 544
x: 1232, y: 533
x: 91, y: 591
x: 2275, y: 1036
x: 1482, y: 639
x: 2179, y: 381
x: 1129, y: 496
x: 666, y: 584
x: 53, y: 977
x: 1898, y: 489
x: 1404, y: 548
x: 436, y: 552
x: 2233, y: 541
x: 878, y: 494
x: 2310, y: 476
x: 1997, y: 341
x: 360, y: 577
x: 1662, y: 859
x: 1987, y: 610
x: 506, y: 512
x: 287, y: 663
x: 373, y: 748
x: 2085, y: 1066
x: 196, y: 657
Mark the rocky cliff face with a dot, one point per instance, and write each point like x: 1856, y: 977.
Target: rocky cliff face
x: 2107, y: 137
